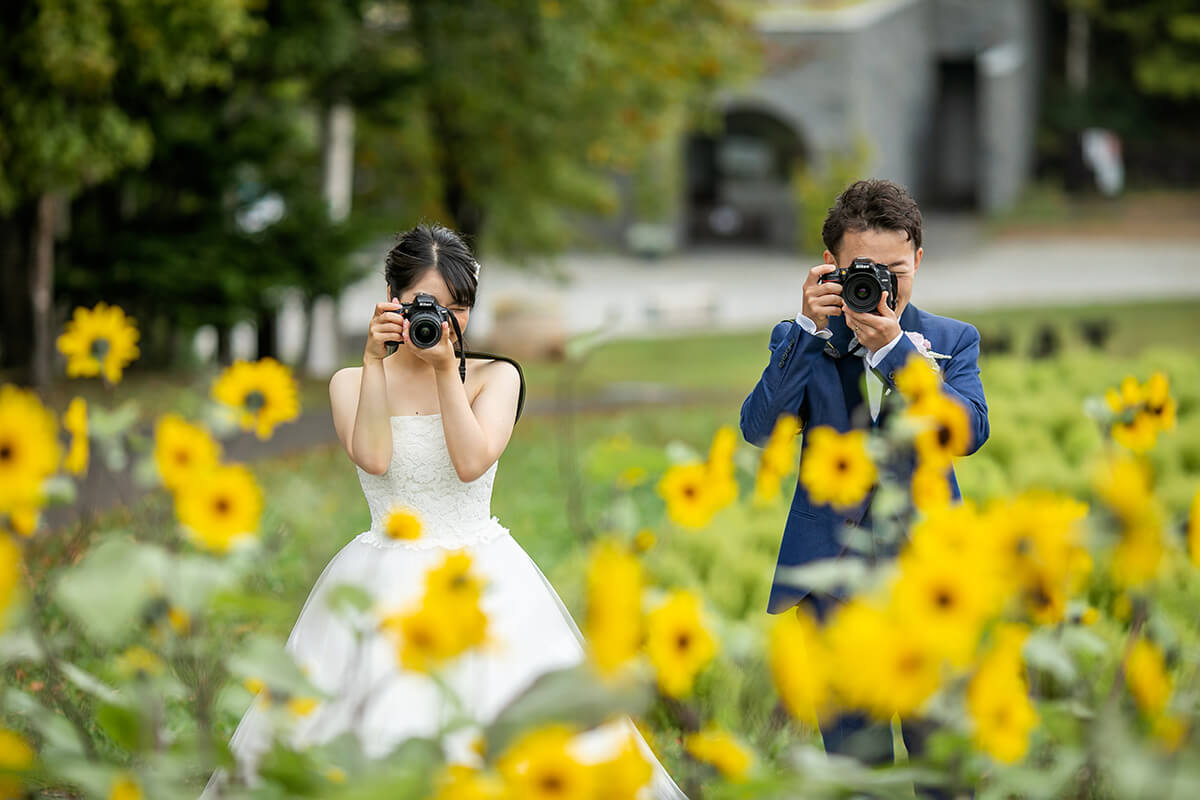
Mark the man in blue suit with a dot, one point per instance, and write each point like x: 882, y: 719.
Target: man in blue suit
x: 832, y: 366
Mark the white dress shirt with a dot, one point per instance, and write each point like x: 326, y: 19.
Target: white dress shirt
x: 870, y: 361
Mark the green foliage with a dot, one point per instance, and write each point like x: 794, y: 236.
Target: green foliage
x: 814, y: 189
x: 1165, y: 39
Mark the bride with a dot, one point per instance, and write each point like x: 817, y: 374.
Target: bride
x: 426, y: 438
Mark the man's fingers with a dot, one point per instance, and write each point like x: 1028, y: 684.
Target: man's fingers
x: 816, y: 272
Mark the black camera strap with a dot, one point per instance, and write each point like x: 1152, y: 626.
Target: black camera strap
x: 520, y: 374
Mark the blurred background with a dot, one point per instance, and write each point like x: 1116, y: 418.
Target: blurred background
x: 644, y: 183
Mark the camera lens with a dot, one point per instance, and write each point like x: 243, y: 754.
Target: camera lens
x: 862, y: 293
x: 425, y: 332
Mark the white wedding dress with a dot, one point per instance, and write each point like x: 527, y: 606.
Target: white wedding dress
x: 530, y: 630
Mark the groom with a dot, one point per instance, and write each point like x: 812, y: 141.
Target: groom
x: 834, y: 366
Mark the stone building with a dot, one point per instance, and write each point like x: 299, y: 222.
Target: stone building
x: 939, y: 95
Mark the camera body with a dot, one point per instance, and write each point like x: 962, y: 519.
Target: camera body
x: 863, y: 283
x: 425, y: 317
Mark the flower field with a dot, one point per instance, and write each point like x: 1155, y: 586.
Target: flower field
x: 1044, y: 630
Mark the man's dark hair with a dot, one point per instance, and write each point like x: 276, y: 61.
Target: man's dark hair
x: 872, y: 205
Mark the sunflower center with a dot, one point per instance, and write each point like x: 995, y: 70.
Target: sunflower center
x: 690, y: 492
x: 182, y: 457
x: 841, y: 465
x: 943, y: 598
x: 683, y: 641
x: 1024, y: 546
x: 100, y: 348
x: 1156, y: 410
x: 254, y: 401
x: 6, y: 451
x: 944, y: 435
x: 910, y: 663
x: 1039, y: 597
x: 222, y: 505
x: 421, y: 638
x: 552, y: 782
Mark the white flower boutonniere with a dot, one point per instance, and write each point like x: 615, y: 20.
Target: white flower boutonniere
x: 925, y: 348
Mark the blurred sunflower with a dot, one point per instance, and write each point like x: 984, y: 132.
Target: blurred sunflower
x: 723, y: 487
x: 540, y: 766
x: 76, y: 422
x: 99, y: 340
x: 1160, y: 405
x: 10, y: 576
x: 795, y: 639
x: 460, y: 782
x: 124, y: 787
x: 687, y: 490
x: 263, y: 394
x: 220, y: 507
x: 624, y: 776
x: 719, y: 748
x: 1139, y: 555
x: 15, y: 754
x: 613, y: 625
x: 945, y: 430
x: 779, y: 454
x: 403, y: 524
x: 29, y: 453
x: 930, y: 488
x: 836, y: 469
x: 678, y: 643
x: 957, y: 531
x: 453, y: 579
x: 138, y: 662
x: 1147, y: 677
x: 1123, y: 483
x: 426, y: 637
x: 1039, y: 545
x: 1002, y: 715
x: 182, y: 451
x: 950, y: 598
x: 1141, y: 412
x: 917, y: 381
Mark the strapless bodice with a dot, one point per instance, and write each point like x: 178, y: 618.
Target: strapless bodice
x: 422, y: 479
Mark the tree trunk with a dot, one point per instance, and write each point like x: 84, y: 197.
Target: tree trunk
x: 16, y: 323
x: 267, y: 330
x: 224, y: 344
x: 310, y: 302
x: 41, y: 289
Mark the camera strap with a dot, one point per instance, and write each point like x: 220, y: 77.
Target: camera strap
x: 520, y: 373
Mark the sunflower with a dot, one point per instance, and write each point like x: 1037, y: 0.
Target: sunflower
x: 836, y: 469
x: 182, y: 451
x: 221, y: 507
x: 766, y: 487
x: 951, y: 598
x: 29, y: 450
x: 15, y: 753
x: 460, y: 782
x: 731, y: 758
x: 799, y: 665
x: 99, y: 340
x: 76, y: 422
x: 644, y: 540
x: 779, y: 454
x: 263, y: 394
x: 403, y: 524
x: 125, y: 788
x: 1159, y: 403
x: 540, y: 766
x: 957, y: 531
x: 930, y: 488
x: 614, y: 606
x: 945, y: 430
x: 1141, y: 412
x: 1001, y: 712
x: 10, y: 576
x: 1123, y: 484
x: 678, y: 643
x: 1138, y: 433
x: 623, y: 776
x: 1147, y: 677
x: 917, y: 381
x: 687, y: 489
x: 427, y: 637
x: 1039, y: 547
x: 1138, y: 556
x: 720, y: 452
x: 453, y: 579
x: 880, y: 664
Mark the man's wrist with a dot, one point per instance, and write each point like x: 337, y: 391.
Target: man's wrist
x: 810, y: 327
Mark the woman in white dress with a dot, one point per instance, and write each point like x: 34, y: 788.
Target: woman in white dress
x: 427, y: 438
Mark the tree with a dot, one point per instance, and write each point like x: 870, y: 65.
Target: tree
x: 61, y: 129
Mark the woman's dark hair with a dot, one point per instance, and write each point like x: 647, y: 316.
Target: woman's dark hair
x: 872, y: 205
x: 427, y: 247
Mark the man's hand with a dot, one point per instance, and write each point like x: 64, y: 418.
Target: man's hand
x: 821, y: 300
x: 874, y: 330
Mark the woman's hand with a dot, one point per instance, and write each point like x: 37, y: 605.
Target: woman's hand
x: 441, y: 356
x: 387, y: 325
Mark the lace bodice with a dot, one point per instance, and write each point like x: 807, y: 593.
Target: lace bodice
x: 422, y: 479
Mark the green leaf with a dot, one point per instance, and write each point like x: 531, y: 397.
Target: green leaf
x: 19, y: 645
x: 826, y: 575
x: 108, y: 589
x: 122, y: 724
x: 267, y: 660
x: 1043, y: 650
x: 573, y: 695
x: 92, y: 685
x: 347, y: 598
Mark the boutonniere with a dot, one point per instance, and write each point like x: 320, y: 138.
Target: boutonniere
x: 925, y: 348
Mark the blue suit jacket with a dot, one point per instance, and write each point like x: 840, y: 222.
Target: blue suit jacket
x: 803, y: 379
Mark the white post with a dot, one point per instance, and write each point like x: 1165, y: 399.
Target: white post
x: 337, y: 186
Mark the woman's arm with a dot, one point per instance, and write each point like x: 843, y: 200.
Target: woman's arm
x: 476, y: 434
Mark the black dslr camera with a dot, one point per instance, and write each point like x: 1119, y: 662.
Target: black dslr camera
x: 425, y: 317
x: 863, y: 283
